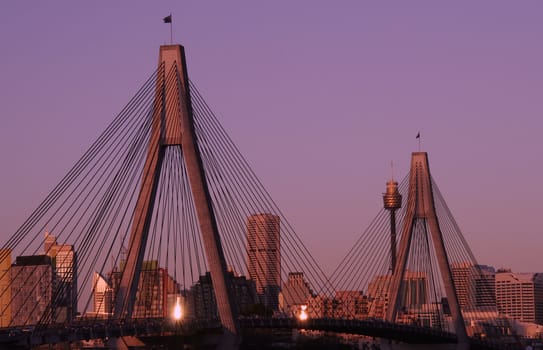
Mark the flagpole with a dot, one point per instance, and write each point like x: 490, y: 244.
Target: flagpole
x: 168, y: 19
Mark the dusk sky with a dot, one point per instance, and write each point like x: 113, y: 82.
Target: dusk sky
x: 319, y: 96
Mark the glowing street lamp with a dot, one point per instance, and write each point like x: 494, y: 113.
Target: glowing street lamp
x: 303, y: 316
x: 177, y: 311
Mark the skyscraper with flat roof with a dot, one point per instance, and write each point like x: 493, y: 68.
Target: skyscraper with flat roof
x: 264, y: 257
x: 32, y: 283
x: 156, y: 293
x: 414, y: 292
x: 65, y: 260
x: 474, y: 285
x: 462, y: 274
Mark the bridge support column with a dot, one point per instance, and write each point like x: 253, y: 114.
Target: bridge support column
x: 420, y: 206
x: 172, y: 126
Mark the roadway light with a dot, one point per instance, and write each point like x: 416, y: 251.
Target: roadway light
x: 303, y: 316
x: 177, y: 311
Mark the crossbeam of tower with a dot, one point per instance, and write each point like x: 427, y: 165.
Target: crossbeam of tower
x: 173, y: 126
x: 420, y: 206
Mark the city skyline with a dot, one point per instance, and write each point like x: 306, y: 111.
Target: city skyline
x: 483, y: 292
x: 361, y: 81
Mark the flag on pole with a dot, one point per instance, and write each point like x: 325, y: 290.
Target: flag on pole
x: 168, y: 19
x: 418, y: 135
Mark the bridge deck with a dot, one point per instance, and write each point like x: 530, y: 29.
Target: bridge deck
x: 85, y: 330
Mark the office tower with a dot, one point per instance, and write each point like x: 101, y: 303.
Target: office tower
x: 485, y: 287
x: 295, y: 292
x: 415, y: 285
x: 202, y: 302
x: 103, y: 295
x: 414, y: 292
x: 474, y: 285
x: 65, y: 260
x: 156, y: 291
x: 202, y: 299
x: 155, y: 288
x: 520, y: 295
x: 264, y: 257
x: 32, y: 281
x: 5, y: 287
x: 462, y: 273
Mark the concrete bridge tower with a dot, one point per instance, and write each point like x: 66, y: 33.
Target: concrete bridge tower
x: 420, y: 206
x: 172, y: 126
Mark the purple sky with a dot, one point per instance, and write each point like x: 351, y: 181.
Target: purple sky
x: 318, y: 97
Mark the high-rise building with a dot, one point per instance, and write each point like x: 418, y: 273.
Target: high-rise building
x: 65, y: 260
x: 462, y: 273
x: 485, y: 287
x: 202, y: 299
x: 474, y: 285
x: 102, y: 295
x: 5, y: 287
x: 295, y: 292
x: 32, y: 284
x: 156, y: 293
x: 520, y: 295
x: 414, y: 292
x: 202, y: 302
x: 264, y: 257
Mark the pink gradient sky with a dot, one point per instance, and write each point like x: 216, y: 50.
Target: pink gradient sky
x: 319, y: 96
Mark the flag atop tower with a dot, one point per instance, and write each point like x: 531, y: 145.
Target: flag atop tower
x: 168, y: 19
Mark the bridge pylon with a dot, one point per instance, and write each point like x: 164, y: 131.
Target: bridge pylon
x: 172, y: 126
x: 420, y: 207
